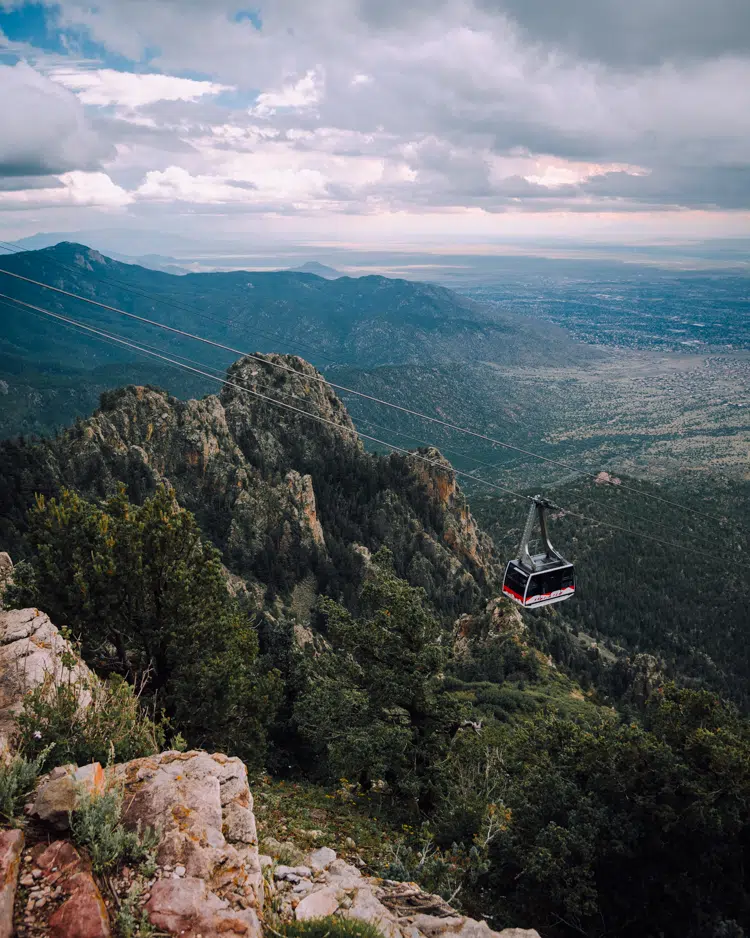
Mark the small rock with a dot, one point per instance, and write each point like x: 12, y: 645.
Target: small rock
x: 265, y: 860
x: 27, y: 880
x: 321, y: 859
x: 351, y: 844
x: 37, y: 874
x: 179, y: 871
x: 317, y: 904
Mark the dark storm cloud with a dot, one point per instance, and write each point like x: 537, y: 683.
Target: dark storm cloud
x: 724, y: 187
x: 633, y: 33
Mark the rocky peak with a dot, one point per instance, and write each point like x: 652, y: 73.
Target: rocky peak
x: 461, y: 532
x: 273, y: 487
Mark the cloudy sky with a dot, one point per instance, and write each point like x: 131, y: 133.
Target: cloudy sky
x: 369, y: 119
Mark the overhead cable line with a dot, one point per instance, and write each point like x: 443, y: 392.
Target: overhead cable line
x: 377, y: 400
x: 351, y: 431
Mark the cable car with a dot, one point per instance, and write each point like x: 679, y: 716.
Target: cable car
x: 541, y: 579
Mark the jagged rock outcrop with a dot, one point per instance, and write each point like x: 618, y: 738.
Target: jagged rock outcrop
x: 645, y: 675
x: 499, y: 621
x: 461, y: 533
x: 279, y: 493
x: 31, y: 651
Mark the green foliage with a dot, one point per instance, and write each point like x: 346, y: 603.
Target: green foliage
x: 86, y: 720
x: 329, y: 927
x: 373, y: 706
x: 18, y: 777
x: 97, y: 827
x: 132, y: 920
x: 569, y: 812
x: 149, y: 599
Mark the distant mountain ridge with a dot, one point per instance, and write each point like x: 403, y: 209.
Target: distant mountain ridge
x: 367, y: 321
x: 320, y: 270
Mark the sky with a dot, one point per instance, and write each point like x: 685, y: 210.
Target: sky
x: 377, y: 120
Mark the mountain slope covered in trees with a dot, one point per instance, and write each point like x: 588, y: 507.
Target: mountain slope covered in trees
x: 345, y: 621
x: 369, y: 321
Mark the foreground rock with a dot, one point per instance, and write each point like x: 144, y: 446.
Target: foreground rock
x: 186, y: 907
x: 202, y: 805
x: 64, y: 900
x: 325, y: 885
x: 11, y: 845
x: 57, y: 794
x: 31, y: 651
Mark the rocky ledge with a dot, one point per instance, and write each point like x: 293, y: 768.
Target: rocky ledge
x: 209, y: 880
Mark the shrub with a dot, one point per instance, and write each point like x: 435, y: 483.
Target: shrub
x: 149, y: 598
x: 329, y: 927
x: 85, y: 721
x: 96, y: 826
x: 17, y: 781
x: 132, y: 919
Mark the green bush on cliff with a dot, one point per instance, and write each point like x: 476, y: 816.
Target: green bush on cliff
x: 87, y: 720
x: 18, y: 777
x: 148, y: 598
x: 97, y: 826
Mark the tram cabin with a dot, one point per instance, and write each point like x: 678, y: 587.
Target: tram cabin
x: 551, y: 582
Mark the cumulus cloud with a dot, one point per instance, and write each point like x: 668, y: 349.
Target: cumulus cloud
x: 378, y: 105
x: 44, y: 127
x: 92, y: 190
x: 105, y: 86
x: 297, y: 95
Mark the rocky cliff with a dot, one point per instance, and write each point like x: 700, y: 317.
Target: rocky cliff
x: 281, y: 494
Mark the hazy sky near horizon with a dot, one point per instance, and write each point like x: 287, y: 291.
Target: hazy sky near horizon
x: 377, y: 119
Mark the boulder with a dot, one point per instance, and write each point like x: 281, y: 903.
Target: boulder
x: 186, y: 907
x: 82, y: 914
x: 31, y: 651
x: 317, y: 904
x: 320, y: 859
x: 11, y: 845
x: 203, y: 808
x: 367, y: 908
x: 57, y: 793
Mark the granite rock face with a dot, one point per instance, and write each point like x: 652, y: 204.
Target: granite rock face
x: 31, y: 652
x: 6, y: 572
x: 202, y: 806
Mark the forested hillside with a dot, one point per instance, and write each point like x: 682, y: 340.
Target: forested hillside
x: 332, y: 616
x: 687, y: 607
x: 367, y: 320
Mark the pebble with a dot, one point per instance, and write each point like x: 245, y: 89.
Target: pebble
x: 27, y: 880
x: 37, y: 874
x: 179, y: 871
